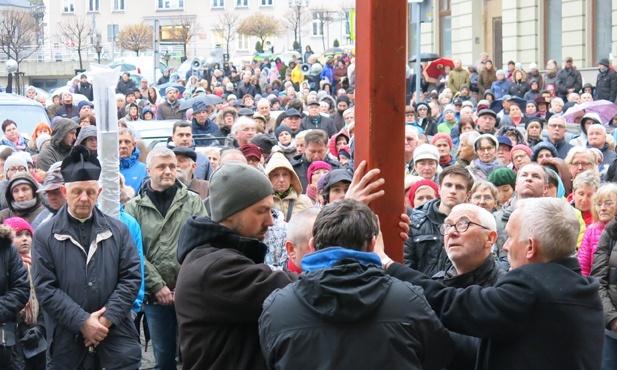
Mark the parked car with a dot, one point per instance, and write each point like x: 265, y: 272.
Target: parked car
x: 27, y: 113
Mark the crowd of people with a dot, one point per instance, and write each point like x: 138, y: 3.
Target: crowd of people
x: 248, y: 234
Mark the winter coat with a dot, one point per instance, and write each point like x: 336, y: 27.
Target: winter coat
x: 604, y: 268
x: 424, y: 250
x: 221, y: 287
x: 458, y: 77
x: 208, y: 128
x: 301, y: 165
x: 518, y: 88
x: 428, y: 124
x: 589, y: 245
x: 300, y: 201
x: 487, y: 274
x: 85, y: 89
x: 549, y: 79
x: 535, y: 76
x: 343, y: 298
x: 500, y: 88
x: 486, y: 78
x: 57, y: 150
x: 324, y: 123
x: 160, y: 234
x: 606, y: 86
x: 28, y: 214
x: 165, y: 110
x: 124, y: 87
x: 562, y: 147
x: 246, y: 89
x: 133, y: 170
x: 568, y: 79
x: 14, y: 276
x: 327, y: 72
x: 516, y: 318
x: 71, y: 284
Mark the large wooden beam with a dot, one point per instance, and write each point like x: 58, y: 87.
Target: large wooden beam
x: 380, y: 106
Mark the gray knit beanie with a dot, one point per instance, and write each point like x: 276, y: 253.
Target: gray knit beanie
x: 234, y: 187
x: 12, y: 160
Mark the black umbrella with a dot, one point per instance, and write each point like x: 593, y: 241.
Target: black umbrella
x: 497, y: 105
x: 425, y: 57
x: 207, y: 99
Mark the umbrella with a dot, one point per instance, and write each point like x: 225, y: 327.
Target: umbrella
x: 171, y: 84
x: 330, y: 53
x: 604, y: 108
x: 207, y: 99
x: 260, y: 57
x: 436, y: 67
x: 425, y: 57
x: 497, y: 105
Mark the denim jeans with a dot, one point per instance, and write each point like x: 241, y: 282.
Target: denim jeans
x: 163, y: 333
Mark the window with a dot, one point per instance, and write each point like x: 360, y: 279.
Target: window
x: 602, y: 29
x: 347, y: 24
x: 445, y: 28
x: 68, y: 6
x: 266, y: 2
x: 218, y: 3
x: 172, y: 34
x: 243, y: 42
x: 242, y: 3
x: 118, y: 5
x: 217, y: 38
x: 170, y: 4
x: 552, y: 30
x: 93, y: 5
x: 317, y: 25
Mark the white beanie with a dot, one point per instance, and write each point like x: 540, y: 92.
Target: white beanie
x: 12, y: 160
x: 533, y: 65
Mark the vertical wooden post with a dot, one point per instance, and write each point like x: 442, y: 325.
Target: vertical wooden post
x: 380, y: 106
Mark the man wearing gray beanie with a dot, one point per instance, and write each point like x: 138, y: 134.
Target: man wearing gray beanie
x: 223, y: 280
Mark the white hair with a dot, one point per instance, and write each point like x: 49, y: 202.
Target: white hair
x: 598, y: 125
x: 263, y: 102
x: 159, y: 152
x: 469, y: 137
x: 240, y: 123
x: 486, y: 218
x: 411, y: 130
x: 300, y: 227
x: 556, y: 235
x: 556, y: 117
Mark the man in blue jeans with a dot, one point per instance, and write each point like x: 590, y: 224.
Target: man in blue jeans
x: 161, y: 208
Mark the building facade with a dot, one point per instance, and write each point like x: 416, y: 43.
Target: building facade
x: 523, y: 30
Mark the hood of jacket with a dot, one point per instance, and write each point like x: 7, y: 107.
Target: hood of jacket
x: 33, y: 184
x: 344, y: 286
x: 332, y: 143
x: 84, y: 133
x: 61, y: 128
x: 199, y: 231
x: 130, y: 161
x: 145, y: 110
x: 589, y: 116
x: 278, y: 160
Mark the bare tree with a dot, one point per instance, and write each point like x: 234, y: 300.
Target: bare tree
x: 185, y: 29
x: 261, y: 26
x: 135, y: 37
x: 18, y: 34
x: 75, y: 32
x: 227, y: 27
x: 293, y: 20
x: 325, y: 17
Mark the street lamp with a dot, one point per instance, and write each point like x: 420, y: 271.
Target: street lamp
x: 299, y: 4
x: 99, y: 48
x: 166, y: 57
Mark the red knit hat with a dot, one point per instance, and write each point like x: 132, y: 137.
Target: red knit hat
x: 442, y: 136
x: 18, y: 224
x: 522, y: 147
x: 411, y: 194
x: 317, y: 165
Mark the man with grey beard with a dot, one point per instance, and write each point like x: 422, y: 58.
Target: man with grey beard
x: 187, y: 163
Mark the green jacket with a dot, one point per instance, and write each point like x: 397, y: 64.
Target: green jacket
x: 458, y: 77
x: 160, y: 235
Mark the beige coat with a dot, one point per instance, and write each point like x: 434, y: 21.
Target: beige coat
x: 278, y: 160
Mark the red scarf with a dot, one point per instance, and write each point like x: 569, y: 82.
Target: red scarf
x: 292, y: 267
x: 444, y: 161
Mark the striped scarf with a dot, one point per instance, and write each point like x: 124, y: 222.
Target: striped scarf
x: 30, y: 313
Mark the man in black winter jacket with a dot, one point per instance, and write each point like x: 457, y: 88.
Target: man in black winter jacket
x: 543, y: 314
x: 352, y: 314
x: 606, y: 84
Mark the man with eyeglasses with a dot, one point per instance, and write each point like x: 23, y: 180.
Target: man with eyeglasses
x: 469, y: 234
x: 542, y: 314
x: 424, y: 251
x: 556, y: 135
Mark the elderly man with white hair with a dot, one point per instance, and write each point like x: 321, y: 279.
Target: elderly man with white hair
x: 542, y: 312
x: 263, y: 108
x: 596, y: 138
x: 411, y: 141
x: 243, y: 130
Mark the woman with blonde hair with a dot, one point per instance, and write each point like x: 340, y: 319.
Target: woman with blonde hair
x: 604, y: 206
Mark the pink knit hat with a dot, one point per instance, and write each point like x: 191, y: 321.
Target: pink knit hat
x: 522, y: 147
x: 18, y: 224
x: 317, y: 165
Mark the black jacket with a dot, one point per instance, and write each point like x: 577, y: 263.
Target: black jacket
x: 562, y: 146
x: 487, y: 274
x: 538, y: 316
x: 85, y: 89
x: 70, y: 285
x: 124, y: 87
x: 14, y: 283
x: 301, y: 165
x: 604, y: 268
x: 221, y: 287
x: 325, y: 123
x: 424, y: 249
x: 568, y: 79
x: 355, y: 317
x: 606, y: 86
x: 518, y: 88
